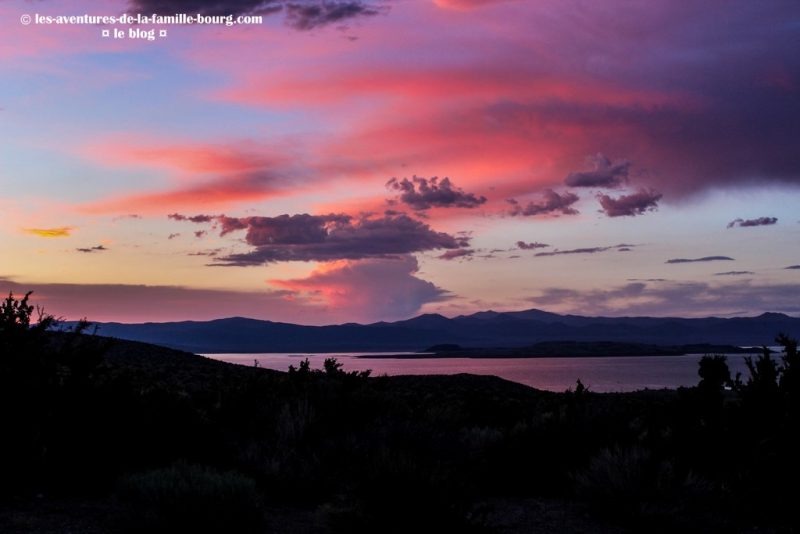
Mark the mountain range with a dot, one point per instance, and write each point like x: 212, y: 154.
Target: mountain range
x: 482, y: 329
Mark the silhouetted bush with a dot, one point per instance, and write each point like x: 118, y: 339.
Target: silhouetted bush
x: 189, y: 498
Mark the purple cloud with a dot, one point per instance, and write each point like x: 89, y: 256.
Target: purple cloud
x: 688, y: 299
x: 761, y: 221
x: 424, y: 193
x: 549, y: 203
x: 734, y: 273
x: 307, y: 15
x: 300, y: 14
x: 522, y: 245
x: 695, y: 260
x: 192, y: 218
x: 591, y: 250
x: 637, y: 203
x: 457, y: 253
x: 604, y: 174
x: 305, y: 237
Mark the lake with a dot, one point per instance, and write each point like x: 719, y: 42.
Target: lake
x: 600, y: 374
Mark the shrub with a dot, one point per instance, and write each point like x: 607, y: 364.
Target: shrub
x: 189, y: 498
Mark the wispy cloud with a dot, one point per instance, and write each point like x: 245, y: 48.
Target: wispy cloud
x: 696, y: 260
x: 457, y: 253
x: 61, y: 231
x: 97, y: 248
x: 587, y: 250
x: 522, y: 245
x: 688, y: 299
x: 760, y: 221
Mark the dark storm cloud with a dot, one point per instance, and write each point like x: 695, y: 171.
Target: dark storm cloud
x: 522, y: 245
x: 637, y: 203
x: 760, y: 221
x: 305, y: 237
x: 550, y: 202
x: 604, y: 174
x: 424, y: 193
x: 300, y: 14
x: 98, y: 248
x: 696, y: 260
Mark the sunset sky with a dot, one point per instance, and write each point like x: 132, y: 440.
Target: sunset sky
x: 364, y: 161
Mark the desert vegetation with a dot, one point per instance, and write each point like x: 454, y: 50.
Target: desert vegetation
x: 113, y: 436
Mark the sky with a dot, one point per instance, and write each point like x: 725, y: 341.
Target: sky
x: 359, y: 160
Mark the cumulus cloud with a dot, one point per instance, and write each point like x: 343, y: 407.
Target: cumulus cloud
x: 368, y: 289
x: 604, y: 173
x: 304, y: 237
x: 61, y: 231
x: 695, y: 260
x: 300, y: 14
x: 98, y: 248
x: 424, y: 193
x: 458, y: 253
x: 637, y: 203
x: 761, y: 221
x: 550, y: 203
x: 522, y: 245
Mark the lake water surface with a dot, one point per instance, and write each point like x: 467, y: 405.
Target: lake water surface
x: 600, y: 374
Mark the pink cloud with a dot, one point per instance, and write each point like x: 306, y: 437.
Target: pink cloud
x: 367, y: 290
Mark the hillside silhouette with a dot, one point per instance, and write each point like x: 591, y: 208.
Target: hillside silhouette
x: 106, y: 435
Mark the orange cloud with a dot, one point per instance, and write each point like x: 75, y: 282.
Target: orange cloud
x: 62, y: 231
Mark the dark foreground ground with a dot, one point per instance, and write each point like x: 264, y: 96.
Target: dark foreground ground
x: 127, y: 437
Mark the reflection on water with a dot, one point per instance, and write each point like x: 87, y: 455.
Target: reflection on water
x: 605, y: 374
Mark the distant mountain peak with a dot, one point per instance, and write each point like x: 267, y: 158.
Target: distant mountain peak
x: 773, y: 315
